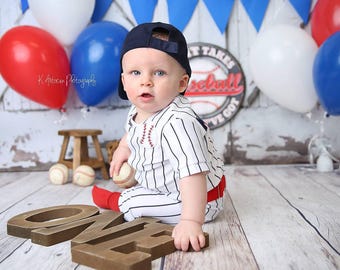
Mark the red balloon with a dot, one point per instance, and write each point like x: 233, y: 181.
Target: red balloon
x: 35, y: 65
x: 325, y: 19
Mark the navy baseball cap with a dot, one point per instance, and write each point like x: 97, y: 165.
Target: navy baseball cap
x: 143, y: 36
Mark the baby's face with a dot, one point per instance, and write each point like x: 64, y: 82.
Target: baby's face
x: 152, y: 79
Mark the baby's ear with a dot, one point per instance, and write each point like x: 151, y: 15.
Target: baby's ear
x: 183, y: 84
x: 122, y: 79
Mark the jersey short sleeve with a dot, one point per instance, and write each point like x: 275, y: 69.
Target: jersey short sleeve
x: 184, y: 143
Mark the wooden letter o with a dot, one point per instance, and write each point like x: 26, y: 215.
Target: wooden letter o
x: 22, y: 225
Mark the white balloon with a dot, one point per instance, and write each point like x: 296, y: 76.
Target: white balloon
x: 64, y: 19
x: 281, y: 62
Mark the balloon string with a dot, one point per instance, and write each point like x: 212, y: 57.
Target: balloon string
x: 2, y: 96
x: 86, y: 110
x: 63, y: 117
x: 124, y: 14
x: 17, y: 21
x: 276, y: 13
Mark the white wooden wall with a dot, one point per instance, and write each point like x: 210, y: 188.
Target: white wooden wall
x: 262, y: 132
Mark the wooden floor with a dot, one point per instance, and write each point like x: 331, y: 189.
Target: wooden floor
x: 275, y: 217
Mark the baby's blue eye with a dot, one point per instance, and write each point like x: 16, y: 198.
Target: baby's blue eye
x: 135, y: 72
x: 159, y: 73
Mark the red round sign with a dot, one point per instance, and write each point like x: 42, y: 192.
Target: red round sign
x: 217, y: 84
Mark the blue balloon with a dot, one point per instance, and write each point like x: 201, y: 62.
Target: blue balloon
x: 95, y: 61
x: 326, y: 74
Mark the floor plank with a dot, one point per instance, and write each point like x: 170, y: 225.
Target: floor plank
x: 49, y: 195
x: 18, y: 253
x: 275, y: 217
x: 15, y: 187
x: 7, y: 177
x: 278, y: 236
x: 329, y: 180
x: 228, y: 248
x: 315, y: 202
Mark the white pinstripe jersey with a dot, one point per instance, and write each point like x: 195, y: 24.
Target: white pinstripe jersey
x: 172, y: 144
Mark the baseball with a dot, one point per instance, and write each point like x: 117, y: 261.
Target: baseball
x: 126, y: 176
x: 58, y: 174
x: 83, y: 176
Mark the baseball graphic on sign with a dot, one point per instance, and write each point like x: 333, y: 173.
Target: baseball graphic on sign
x: 204, y: 71
x: 217, y: 84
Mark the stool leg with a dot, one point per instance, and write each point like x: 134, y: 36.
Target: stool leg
x: 100, y: 157
x: 84, y: 151
x: 76, y: 153
x: 64, y: 149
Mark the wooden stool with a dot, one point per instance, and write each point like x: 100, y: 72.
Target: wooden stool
x: 80, y: 150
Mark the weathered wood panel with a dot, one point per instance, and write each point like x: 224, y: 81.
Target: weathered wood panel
x: 276, y: 217
x: 262, y: 132
x: 278, y: 235
x: 228, y: 248
x: 24, y: 191
x: 314, y: 201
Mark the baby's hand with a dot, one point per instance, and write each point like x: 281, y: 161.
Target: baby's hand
x: 187, y: 233
x: 120, y: 155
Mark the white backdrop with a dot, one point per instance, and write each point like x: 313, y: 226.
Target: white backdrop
x: 262, y: 131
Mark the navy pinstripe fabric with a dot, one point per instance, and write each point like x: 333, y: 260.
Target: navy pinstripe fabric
x: 172, y: 144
